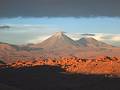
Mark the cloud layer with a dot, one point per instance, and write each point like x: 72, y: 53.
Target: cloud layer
x: 59, y: 8
x: 23, y: 34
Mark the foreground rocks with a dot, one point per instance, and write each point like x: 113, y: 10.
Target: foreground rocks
x: 101, y: 65
x: 65, y: 73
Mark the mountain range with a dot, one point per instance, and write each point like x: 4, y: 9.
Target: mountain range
x: 58, y: 44
x: 59, y: 41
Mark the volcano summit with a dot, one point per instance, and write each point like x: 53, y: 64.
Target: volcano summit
x: 58, y: 41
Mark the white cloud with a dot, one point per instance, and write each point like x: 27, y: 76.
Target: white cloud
x: 38, y: 39
x: 116, y: 38
x: 74, y: 36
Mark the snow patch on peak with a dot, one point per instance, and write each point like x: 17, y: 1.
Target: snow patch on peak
x: 59, y: 34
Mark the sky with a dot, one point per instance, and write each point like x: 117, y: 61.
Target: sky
x: 59, y: 8
x: 32, y: 21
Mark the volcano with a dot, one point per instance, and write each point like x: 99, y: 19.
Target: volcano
x: 59, y: 44
x: 58, y: 41
x: 90, y: 42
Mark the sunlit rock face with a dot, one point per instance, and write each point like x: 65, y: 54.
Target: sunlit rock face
x: 101, y: 65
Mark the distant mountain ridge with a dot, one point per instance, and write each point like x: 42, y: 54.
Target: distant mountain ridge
x: 93, y: 43
x: 57, y: 45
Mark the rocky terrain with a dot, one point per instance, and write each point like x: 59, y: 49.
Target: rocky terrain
x: 65, y: 73
x: 102, y: 65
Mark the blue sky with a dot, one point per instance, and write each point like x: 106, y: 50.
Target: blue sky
x: 33, y: 30
x: 70, y: 24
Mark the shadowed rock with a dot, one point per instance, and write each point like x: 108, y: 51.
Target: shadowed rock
x: 54, y: 78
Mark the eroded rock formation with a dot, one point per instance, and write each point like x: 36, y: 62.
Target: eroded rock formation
x: 101, y: 65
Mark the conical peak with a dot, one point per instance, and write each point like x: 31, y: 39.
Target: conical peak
x: 58, y: 34
x: 86, y: 41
